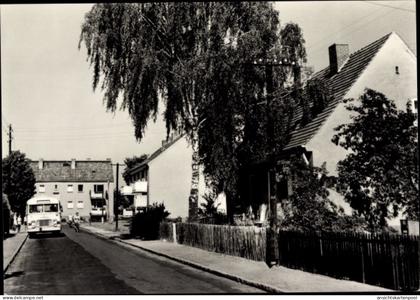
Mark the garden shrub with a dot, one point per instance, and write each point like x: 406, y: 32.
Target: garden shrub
x: 145, y: 224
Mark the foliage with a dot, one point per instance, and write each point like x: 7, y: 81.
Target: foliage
x: 146, y: 224
x: 309, y: 208
x: 196, y: 56
x: 123, y: 202
x: 130, y: 162
x: 379, y: 177
x: 18, y: 181
x: 208, y: 212
x: 293, y: 47
x: 319, y: 93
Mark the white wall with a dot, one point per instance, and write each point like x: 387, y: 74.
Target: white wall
x: 170, y: 179
x: 379, y: 75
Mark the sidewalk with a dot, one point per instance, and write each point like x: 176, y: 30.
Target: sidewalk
x: 11, y: 247
x: 277, y: 279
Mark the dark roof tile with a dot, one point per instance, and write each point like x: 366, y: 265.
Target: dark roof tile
x: 85, y: 171
x: 339, y: 83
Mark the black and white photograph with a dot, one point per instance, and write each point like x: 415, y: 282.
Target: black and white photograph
x: 210, y: 148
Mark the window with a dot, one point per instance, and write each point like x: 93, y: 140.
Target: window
x: 397, y: 71
x: 70, y: 204
x: 50, y: 208
x: 56, y: 189
x: 98, y: 188
x: 69, y: 188
x: 80, y: 204
x: 35, y: 208
x: 80, y: 188
x: 41, y: 188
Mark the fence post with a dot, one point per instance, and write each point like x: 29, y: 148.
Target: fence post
x: 363, y: 261
x: 174, y: 232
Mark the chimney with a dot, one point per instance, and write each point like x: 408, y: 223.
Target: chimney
x: 73, y: 163
x: 40, y: 163
x: 338, y: 55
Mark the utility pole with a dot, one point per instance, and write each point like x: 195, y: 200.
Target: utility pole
x: 10, y: 139
x: 116, y: 199
x: 272, y: 238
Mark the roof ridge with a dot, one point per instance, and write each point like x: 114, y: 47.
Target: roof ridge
x: 158, y: 152
x: 385, y: 37
x: 356, y: 52
x: 340, y: 83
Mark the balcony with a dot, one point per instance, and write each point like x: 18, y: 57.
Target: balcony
x: 97, y: 195
x: 140, y: 187
x: 127, y: 190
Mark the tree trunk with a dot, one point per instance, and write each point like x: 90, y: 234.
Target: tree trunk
x: 195, y: 177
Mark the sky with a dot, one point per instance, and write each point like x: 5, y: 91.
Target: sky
x: 47, y: 92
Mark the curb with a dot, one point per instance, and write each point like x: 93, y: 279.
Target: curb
x: 15, y: 254
x: 239, y: 279
x: 267, y: 288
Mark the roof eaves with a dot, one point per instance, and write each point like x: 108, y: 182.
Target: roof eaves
x: 154, y: 155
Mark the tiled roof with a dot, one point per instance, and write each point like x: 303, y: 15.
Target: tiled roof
x: 339, y: 83
x: 155, y: 154
x: 85, y: 171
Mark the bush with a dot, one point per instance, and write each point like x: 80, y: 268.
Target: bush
x: 146, y: 224
x: 208, y: 213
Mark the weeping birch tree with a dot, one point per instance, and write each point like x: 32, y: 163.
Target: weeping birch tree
x: 194, y: 57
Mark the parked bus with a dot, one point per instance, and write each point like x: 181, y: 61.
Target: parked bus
x: 43, y: 215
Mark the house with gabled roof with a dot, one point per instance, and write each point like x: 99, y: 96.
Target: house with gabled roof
x: 386, y: 65
x: 83, y: 186
x: 166, y: 177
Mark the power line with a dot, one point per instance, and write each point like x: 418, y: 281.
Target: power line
x: 357, y: 28
x: 393, y: 7
x: 72, y: 128
x: 319, y: 43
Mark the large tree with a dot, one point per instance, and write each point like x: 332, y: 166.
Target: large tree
x: 195, y: 56
x: 379, y: 177
x: 18, y: 181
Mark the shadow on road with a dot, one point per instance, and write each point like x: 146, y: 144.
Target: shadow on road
x: 47, y: 235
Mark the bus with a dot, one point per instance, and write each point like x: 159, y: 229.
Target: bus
x: 43, y: 215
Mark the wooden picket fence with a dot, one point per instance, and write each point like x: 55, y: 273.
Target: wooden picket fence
x: 390, y: 261
x: 242, y: 241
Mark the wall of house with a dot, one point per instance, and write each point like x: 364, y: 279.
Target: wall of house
x: 379, y: 75
x: 170, y: 179
x: 80, y: 200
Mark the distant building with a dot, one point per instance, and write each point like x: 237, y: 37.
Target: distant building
x: 386, y: 65
x: 81, y: 186
x: 165, y: 177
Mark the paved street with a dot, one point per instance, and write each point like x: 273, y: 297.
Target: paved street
x: 79, y: 263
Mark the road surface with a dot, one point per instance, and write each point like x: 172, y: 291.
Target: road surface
x: 82, y: 264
